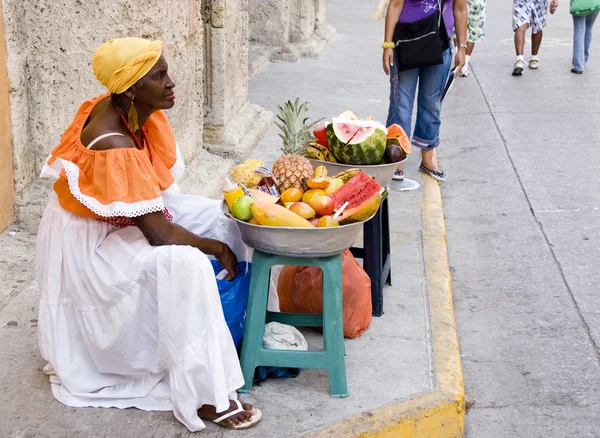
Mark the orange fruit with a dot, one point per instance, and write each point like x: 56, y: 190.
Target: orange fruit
x: 291, y: 195
x: 396, y: 131
x: 318, y: 183
x: 309, y: 194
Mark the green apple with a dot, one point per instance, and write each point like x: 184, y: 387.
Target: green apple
x: 241, y: 208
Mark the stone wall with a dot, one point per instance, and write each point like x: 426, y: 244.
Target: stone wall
x: 290, y: 28
x: 50, y: 45
x: 6, y: 180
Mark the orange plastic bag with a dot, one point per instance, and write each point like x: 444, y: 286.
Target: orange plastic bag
x: 300, y: 290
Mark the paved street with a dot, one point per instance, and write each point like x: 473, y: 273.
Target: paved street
x: 522, y: 205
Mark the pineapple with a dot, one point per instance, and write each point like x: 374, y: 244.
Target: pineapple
x: 244, y: 173
x: 292, y: 167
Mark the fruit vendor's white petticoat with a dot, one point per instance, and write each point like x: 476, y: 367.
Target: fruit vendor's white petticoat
x: 124, y: 324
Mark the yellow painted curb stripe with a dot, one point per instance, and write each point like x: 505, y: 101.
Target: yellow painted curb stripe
x: 379, y: 10
x: 438, y: 414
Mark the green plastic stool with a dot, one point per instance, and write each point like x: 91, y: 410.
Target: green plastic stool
x: 330, y: 358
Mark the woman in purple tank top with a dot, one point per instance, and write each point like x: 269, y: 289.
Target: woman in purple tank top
x: 431, y: 79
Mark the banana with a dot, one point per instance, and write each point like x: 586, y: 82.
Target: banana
x: 320, y: 172
x: 314, y: 153
x: 318, y: 152
x: 346, y: 175
x: 274, y: 215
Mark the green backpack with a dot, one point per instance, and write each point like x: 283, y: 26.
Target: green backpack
x: 584, y: 7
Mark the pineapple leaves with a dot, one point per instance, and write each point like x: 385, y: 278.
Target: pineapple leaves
x: 295, y: 132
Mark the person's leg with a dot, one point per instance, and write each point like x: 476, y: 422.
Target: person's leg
x: 578, y: 43
x: 429, y: 104
x: 519, y: 49
x: 536, y: 42
x: 403, y: 87
x: 539, y: 10
x: 589, y: 24
x: 520, y: 39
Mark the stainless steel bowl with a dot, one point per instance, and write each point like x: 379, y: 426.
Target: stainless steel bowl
x: 297, y: 242
x: 381, y: 172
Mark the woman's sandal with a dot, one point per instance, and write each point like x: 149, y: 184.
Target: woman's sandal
x: 440, y: 176
x: 246, y: 424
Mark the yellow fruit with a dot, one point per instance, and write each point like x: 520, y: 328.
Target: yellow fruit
x: 274, y: 215
x: 346, y: 175
x: 335, y: 184
x: 291, y: 195
x: 309, y: 194
x: 244, y: 173
x: 264, y: 197
x: 327, y: 221
x: 319, y: 152
x: 320, y: 172
x: 253, y: 221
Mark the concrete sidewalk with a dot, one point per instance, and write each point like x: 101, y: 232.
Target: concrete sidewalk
x: 404, y: 373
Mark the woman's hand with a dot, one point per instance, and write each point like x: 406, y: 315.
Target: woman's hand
x: 459, y: 61
x: 388, y: 60
x: 228, y: 261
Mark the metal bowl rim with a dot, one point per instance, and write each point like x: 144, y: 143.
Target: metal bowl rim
x: 357, y: 166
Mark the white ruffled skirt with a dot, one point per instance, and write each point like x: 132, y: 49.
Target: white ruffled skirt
x: 125, y: 324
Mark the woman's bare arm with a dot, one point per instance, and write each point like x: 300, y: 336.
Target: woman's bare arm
x: 391, y: 18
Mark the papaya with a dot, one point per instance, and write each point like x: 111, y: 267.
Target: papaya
x: 362, y: 212
x: 263, y: 197
x: 318, y: 183
x: 274, y: 215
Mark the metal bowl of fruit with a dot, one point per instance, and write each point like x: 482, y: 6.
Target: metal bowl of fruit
x: 295, y: 241
x: 381, y: 172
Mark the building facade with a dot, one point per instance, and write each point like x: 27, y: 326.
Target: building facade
x: 45, y: 74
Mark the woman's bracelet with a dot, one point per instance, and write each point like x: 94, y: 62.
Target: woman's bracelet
x: 388, y: 45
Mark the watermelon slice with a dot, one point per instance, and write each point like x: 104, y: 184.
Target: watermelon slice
x: 356, y: 191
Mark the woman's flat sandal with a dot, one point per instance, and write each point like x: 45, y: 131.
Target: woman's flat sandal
x: 246, y: 424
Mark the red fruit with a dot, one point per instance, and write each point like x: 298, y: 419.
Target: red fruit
x: 320, y: 133
x: 322, y: 205
x: 356, y: 191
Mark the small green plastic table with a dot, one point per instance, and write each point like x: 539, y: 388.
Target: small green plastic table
x: 330, y: 358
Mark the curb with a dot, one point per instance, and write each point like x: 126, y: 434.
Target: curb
x: 439, y: 413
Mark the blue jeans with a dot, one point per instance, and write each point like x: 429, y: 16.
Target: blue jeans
x: 403, y: 87
x: 582, y: 38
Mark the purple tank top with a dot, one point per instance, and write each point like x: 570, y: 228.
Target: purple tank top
x: 417, y: 9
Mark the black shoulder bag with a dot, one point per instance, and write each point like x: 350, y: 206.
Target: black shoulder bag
x: 421, y: 43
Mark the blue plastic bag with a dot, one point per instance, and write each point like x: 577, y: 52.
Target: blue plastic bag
x: 234, y: 298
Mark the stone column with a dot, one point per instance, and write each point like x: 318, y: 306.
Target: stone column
x: 287, y: 29
x: 232, y: 126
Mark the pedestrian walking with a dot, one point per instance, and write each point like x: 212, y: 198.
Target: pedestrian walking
x: 417, y: 51
x: 529, y: 13
x: 475, y: 31
x: 584, y: 14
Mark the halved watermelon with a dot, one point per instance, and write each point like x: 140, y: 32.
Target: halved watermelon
x: 356, y: 141
x: 357, y: 190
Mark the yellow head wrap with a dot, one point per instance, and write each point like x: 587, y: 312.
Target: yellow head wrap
x: 120, y: 63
